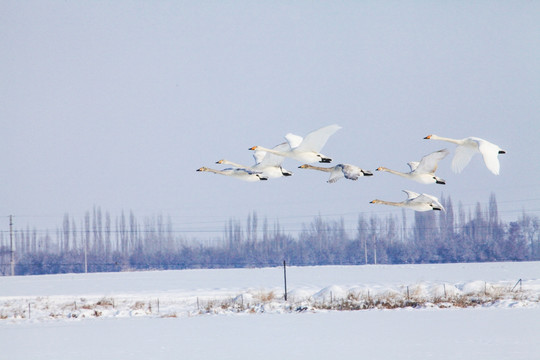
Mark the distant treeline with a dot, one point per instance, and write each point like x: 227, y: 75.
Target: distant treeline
x: 100, y: 244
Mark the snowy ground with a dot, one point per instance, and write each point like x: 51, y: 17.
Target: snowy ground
x: 241, y: 314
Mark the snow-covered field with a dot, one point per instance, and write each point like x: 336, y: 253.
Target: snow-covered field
x: 457, y: 311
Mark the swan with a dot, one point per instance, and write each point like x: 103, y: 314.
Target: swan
x: 423, y: 171
x: 267, y: 163
x: 467, y: 147
x: 415, y: 201
x: 339, y: 171
x: 307, y: 149
x: 242, y: 174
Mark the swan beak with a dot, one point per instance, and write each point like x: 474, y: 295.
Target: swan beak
x: 428, y: 137
x: 219, y: 162
x: 372, y: 202
x: 303, y: 166
x: 252, y: 148
x: 200, y: 169
x: 379, y: 168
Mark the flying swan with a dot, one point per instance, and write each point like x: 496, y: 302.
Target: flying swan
x: 267, y: 163
x: 466, y: 148
x: 339, y: 171
x: 415, y: 201
x: 424, y: 170
x: 241, y: 174
x: 307, y: 149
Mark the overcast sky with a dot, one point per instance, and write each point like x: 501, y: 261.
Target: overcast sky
x: 116, y: 104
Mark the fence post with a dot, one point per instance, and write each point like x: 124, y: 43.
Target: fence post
x: 285, y: 278
x: 518, y: 282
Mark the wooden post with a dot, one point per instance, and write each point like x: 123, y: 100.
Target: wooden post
x: 285, y: 278
x: 12, y: 250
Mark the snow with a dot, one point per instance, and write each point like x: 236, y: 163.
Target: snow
x: 241, y: 314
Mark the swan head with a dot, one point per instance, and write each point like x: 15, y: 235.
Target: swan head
x: 305, y: 166
x: 220, y: 161
x: 376, y: 201
x: 202, y: 169
x: 254, y: 148
x: 380, y: 168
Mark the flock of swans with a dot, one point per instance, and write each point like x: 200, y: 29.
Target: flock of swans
x: 268, y: 164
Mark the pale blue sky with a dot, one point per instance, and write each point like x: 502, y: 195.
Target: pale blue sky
x: 116, y: 104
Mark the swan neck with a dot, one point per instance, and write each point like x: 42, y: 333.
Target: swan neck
x: 395, y: 172
x: 454, y: 141
x: 318, y: 168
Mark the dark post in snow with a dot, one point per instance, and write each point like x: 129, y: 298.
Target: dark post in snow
x: 11, y: 248
x: 285, y: 278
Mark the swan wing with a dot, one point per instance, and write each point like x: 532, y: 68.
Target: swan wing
x: 315, y: 141
x: 428, y: 164
x: 259, y: 155
x: 293, y: 140
x: 413, y: 165
x: 463, y: 156
x: 411, y: 194
x: 430, y: 199
x: 490, y: 152
x: 270, y: 159
x: 336, y: 174
x: 350, y: 172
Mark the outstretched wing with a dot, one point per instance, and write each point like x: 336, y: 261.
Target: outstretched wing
x: 463, y: 156
x: 270, y: 159
x: 430, y: 199
x: 429, y: 163
x: 411, y: 194
x: 490, y: 152
x: 350, y: 172
x: 413, y: 165
x: 335, y: 174
x: 293, y: 140
x: 315, y: 141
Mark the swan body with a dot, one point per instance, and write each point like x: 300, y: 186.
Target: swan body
x: 241, y: 174
x: 307, y: 149
x: 266, y: 163
x: 423, y: 171
x: 415, y: 201
x: 339, y: 171
x: 468, y: 147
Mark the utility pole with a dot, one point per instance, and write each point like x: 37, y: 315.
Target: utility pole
x: 12, y: 250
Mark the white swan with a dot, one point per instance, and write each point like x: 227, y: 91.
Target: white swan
x: 267, y: 163
x: 339, y: 171
x: 466, y: 148
x: 424, y: 170
x: 415, y: 201
x: 242, y: 174
x: 306, y: 150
